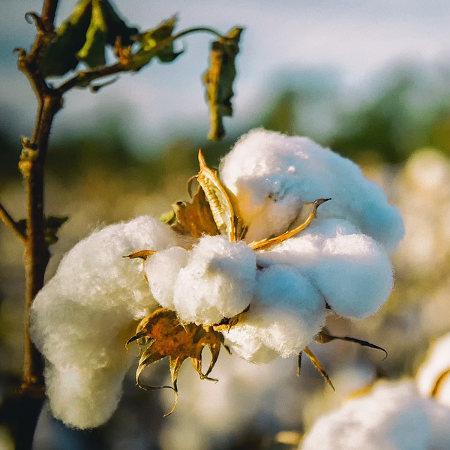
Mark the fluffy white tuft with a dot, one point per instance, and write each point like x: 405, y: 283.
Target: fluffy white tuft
x: 351, y: 270
x: 393, y: 416
x: 218, y: 281
x: 84, y: 314
x: 162, y: 271
x: 244, y: 340
x: 283, y: 319
x: 436, y: 368
x: 274, y: 175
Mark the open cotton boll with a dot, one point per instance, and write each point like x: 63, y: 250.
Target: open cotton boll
x: 436, y: 369
x: 393, y: 416
x: 272, y: 175
x: 162, y: 270
x: 351, y: 270
x: 82, y: 317
x: 285, y: 315
x: 218, y: 281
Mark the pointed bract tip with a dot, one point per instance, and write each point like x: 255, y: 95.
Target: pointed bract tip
x: 319, y: 201
x: 201, y: 159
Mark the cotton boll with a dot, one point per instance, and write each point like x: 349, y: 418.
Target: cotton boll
x: 350, y: 269
x: 392, y: 416
x: 436, y: 364
x: 218, y: 281
x: 83, y: 316
x: 273, y: 176
x: 162, y: 270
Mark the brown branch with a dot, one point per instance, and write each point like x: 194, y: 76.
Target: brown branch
x: 48, y: 13
x: 20, y: 411
x: 10, y: 223
x: 83, y: 78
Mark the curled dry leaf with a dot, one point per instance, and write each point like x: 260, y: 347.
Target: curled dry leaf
x: 192, y: 218
x: 219, y: 78
x: 161, y: 334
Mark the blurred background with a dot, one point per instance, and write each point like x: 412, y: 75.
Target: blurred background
x: 370, y: 79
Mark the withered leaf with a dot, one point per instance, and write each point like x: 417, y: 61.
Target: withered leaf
x: 60, y: 55
x: 83, y: 36
x: 192, y: 218
x: 157, y: 42
x: 105, y: 27
x: 161, y: 335
x: 219, y: 78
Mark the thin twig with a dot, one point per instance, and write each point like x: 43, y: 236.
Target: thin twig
x: 48, y: 13
x: 10, y: 223
x: 82, y: 79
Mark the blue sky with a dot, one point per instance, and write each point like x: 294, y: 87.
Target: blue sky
x: 354, y: 39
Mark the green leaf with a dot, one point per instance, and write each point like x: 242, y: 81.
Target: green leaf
x: 105, y: 27
x: 93, y: 50
x: 116, y: 27
x: 157, y: 42
x: 60, y: 54
x: 92, y: 26
x: 219, y: 78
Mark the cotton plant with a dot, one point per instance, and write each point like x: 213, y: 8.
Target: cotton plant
x: 285, y: 233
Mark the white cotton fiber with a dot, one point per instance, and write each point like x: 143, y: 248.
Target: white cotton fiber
x: 218, y: 281
x: 290, y: 309
x: 284, y: 317
x: 436, y: 366
x: 392, y: 417
x: 244, y: 340
x: 162, y: 271
x: 273, y: 175
x: 351, y: 270
x: 83, y: 316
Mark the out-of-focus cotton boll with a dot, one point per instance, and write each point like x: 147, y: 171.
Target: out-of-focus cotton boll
x: 436, y: 369
x: 424, y: 199
x: 162, y: 270
x: 285, y: 315
x: 272, y: 175
x: 351, y: 270
x: 218, y: 281
x: 84, y: 314
x: 393, y: 416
